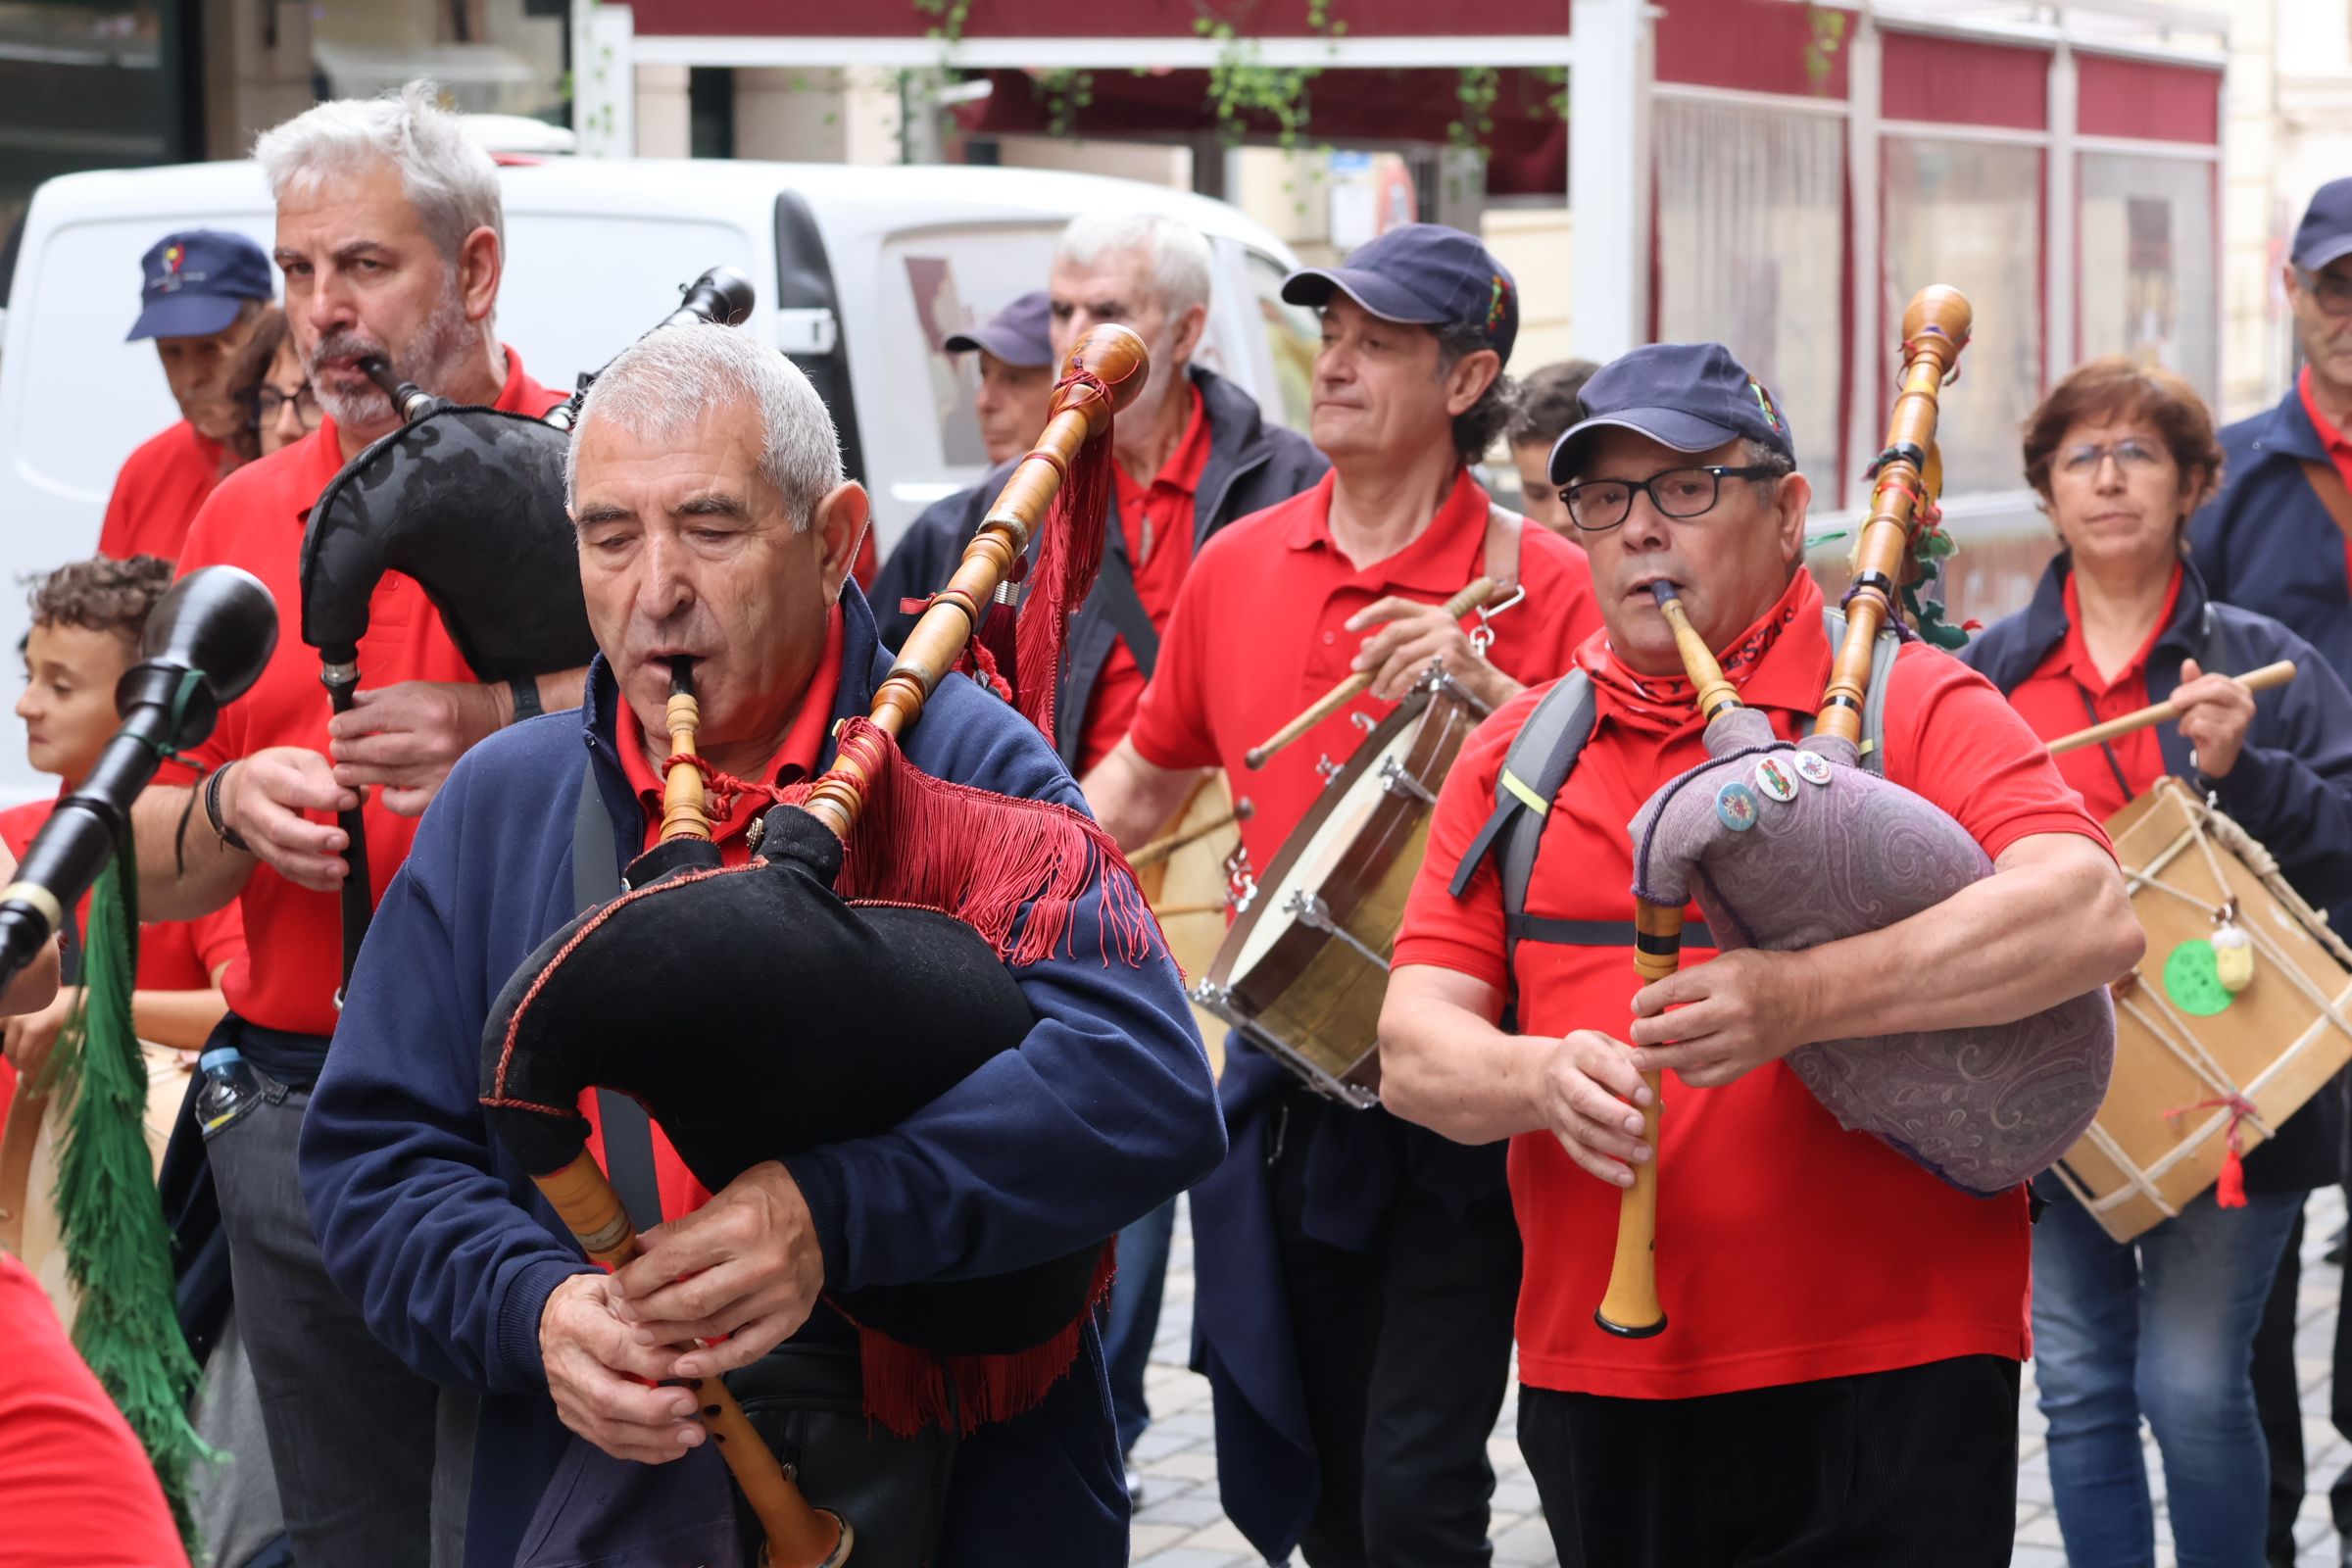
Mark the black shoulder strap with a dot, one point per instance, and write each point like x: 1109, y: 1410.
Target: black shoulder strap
x: 628, y: 1131
x: 1125, y: 608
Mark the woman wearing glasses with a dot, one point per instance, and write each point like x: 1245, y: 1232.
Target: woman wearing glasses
x: 284, y: 407
x: 2163, y: 1327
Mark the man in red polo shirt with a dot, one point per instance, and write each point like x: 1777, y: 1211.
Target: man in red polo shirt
x: 203, y: 292
x: 1355, y: 1283
x: 1839, y: 1380
x: 389, y: 231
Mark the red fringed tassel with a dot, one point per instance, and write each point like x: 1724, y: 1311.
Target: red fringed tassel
x: 1069, y: 556
x: 908, y: 1389
x: 1014, y: 870
x: 993, y: 649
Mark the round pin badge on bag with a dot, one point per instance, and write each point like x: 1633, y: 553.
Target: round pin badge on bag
x: 1811, y: 767
x: 1774, y: 779
x: 1736, y: 806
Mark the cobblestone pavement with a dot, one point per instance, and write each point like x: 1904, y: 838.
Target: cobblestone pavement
x: 1180, y: 1525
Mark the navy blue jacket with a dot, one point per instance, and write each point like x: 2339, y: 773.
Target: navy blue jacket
x: 1251, y: 465
x: 1106, y: 1110
x: 2290, y: 788
x: 2267, y: 540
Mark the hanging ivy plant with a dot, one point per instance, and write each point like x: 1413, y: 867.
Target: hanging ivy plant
x: 1474, y: 91
x: 1063, y: 94
x: 1821, y: 47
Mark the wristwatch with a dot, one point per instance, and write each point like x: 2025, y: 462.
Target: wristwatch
x: 526, y: 697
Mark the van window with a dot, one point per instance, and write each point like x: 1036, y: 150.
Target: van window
x: 947, y: 280
x: 1293, y: 336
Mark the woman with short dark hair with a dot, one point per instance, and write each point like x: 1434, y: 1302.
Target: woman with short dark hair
x: 2163, y: 1326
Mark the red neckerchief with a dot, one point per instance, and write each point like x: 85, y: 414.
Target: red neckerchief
x: 1663, y: 703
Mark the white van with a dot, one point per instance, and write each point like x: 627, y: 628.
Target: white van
x: 860, y: 273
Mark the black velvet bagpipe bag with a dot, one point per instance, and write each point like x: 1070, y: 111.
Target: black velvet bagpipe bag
x: 756, y: 1013
x: 470, y: 501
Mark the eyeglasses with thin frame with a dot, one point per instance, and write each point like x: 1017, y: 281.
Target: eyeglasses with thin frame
x: 2332, y: 290
x: 1596, y: 506
x: 269, y: 402
x: 2132, y: 454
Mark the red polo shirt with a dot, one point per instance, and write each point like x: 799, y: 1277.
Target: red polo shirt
x: 74, y: 1484
x: 1260, y: 632
x: 1788, y: 1250
x: 158, y: 492
x: 1158, y: 522
x: 2066, y: 693
x: 255, y: 521
x: 174, y: 955
x: 2339, y: 447
x: 795, y: 760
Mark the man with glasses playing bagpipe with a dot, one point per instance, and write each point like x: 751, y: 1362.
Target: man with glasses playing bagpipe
x: 1748, y: 1332
x: 909, y: 1048
x: 2159, y: 1246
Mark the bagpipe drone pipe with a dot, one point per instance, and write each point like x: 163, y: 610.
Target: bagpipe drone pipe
x: 1786, y: 847
x: 468, y: 502
x: 854, y: 968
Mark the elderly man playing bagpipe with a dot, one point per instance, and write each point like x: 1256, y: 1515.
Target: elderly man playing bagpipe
x: 1829, y: 1371
x: 715, y: 534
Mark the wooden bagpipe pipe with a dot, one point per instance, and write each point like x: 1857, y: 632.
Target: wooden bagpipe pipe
x: 467, y: 501
x: 851, y: 972
x: 1786, y: 847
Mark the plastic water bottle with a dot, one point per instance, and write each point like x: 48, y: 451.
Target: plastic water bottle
x: 229, y: 1089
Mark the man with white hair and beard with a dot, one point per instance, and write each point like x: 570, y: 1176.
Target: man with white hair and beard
x: 390, y: 235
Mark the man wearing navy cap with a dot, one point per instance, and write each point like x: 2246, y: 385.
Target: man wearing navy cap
x: 2280, y: 536
x: 201, y: 295
x: 1017, y: 373
x: 1354, y: 1277
x: 1836, y: 1380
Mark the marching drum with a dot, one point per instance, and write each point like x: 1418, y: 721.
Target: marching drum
x: 1305, y: 968
x: 29, y: 1145
x: 2241, y: 1011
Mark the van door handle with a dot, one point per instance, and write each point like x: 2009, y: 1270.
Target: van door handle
x: 807, y: 330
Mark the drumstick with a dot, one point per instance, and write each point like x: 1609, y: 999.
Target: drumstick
x: 1354, y: 686
x: 1160, y: 849
x: 2254, y: 681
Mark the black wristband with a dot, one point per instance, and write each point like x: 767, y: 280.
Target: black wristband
x: 526, y: 689
x: 212, y: 810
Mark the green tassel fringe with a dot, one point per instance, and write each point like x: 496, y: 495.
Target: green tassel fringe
x: 118, y: 1249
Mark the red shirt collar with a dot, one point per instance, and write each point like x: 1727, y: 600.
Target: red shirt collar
x: 1781, y: 661
x: 2074, y: 659
x: 1184, y: 468
x: 2334, y: 439
x: 1451, y: 552
x: 804, y: 745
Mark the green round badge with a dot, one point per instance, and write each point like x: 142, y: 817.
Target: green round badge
x: 2193, y: 982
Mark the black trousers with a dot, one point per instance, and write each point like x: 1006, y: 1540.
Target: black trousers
x: 2278, y: 1399
x: 1407, y: 1356
x: 1917, y: 1466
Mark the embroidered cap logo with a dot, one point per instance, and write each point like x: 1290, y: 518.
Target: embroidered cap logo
x: 1495, y: 301
x: 1772, y: 416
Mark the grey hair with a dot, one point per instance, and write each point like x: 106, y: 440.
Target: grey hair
x: 1177, y: 255
x: 447, y: 178
x: 676, y: 377
x: 1757, y: 455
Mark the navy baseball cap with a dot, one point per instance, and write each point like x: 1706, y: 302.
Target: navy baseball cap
x: 1426, y: 275
x: 196, y: 283
x: 1693, y: 397
x: 1018, y: 335
x: 2326, y: 231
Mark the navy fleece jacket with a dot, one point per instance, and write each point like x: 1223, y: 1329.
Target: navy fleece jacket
x: 1105, y: 1110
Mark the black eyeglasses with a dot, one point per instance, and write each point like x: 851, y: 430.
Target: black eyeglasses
x: 2332, y: 290
x: 269, y: 402
x: 1596, y: 506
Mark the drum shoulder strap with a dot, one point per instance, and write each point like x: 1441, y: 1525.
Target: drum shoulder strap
x: 1504, y: 530
x: 628, y: 1131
